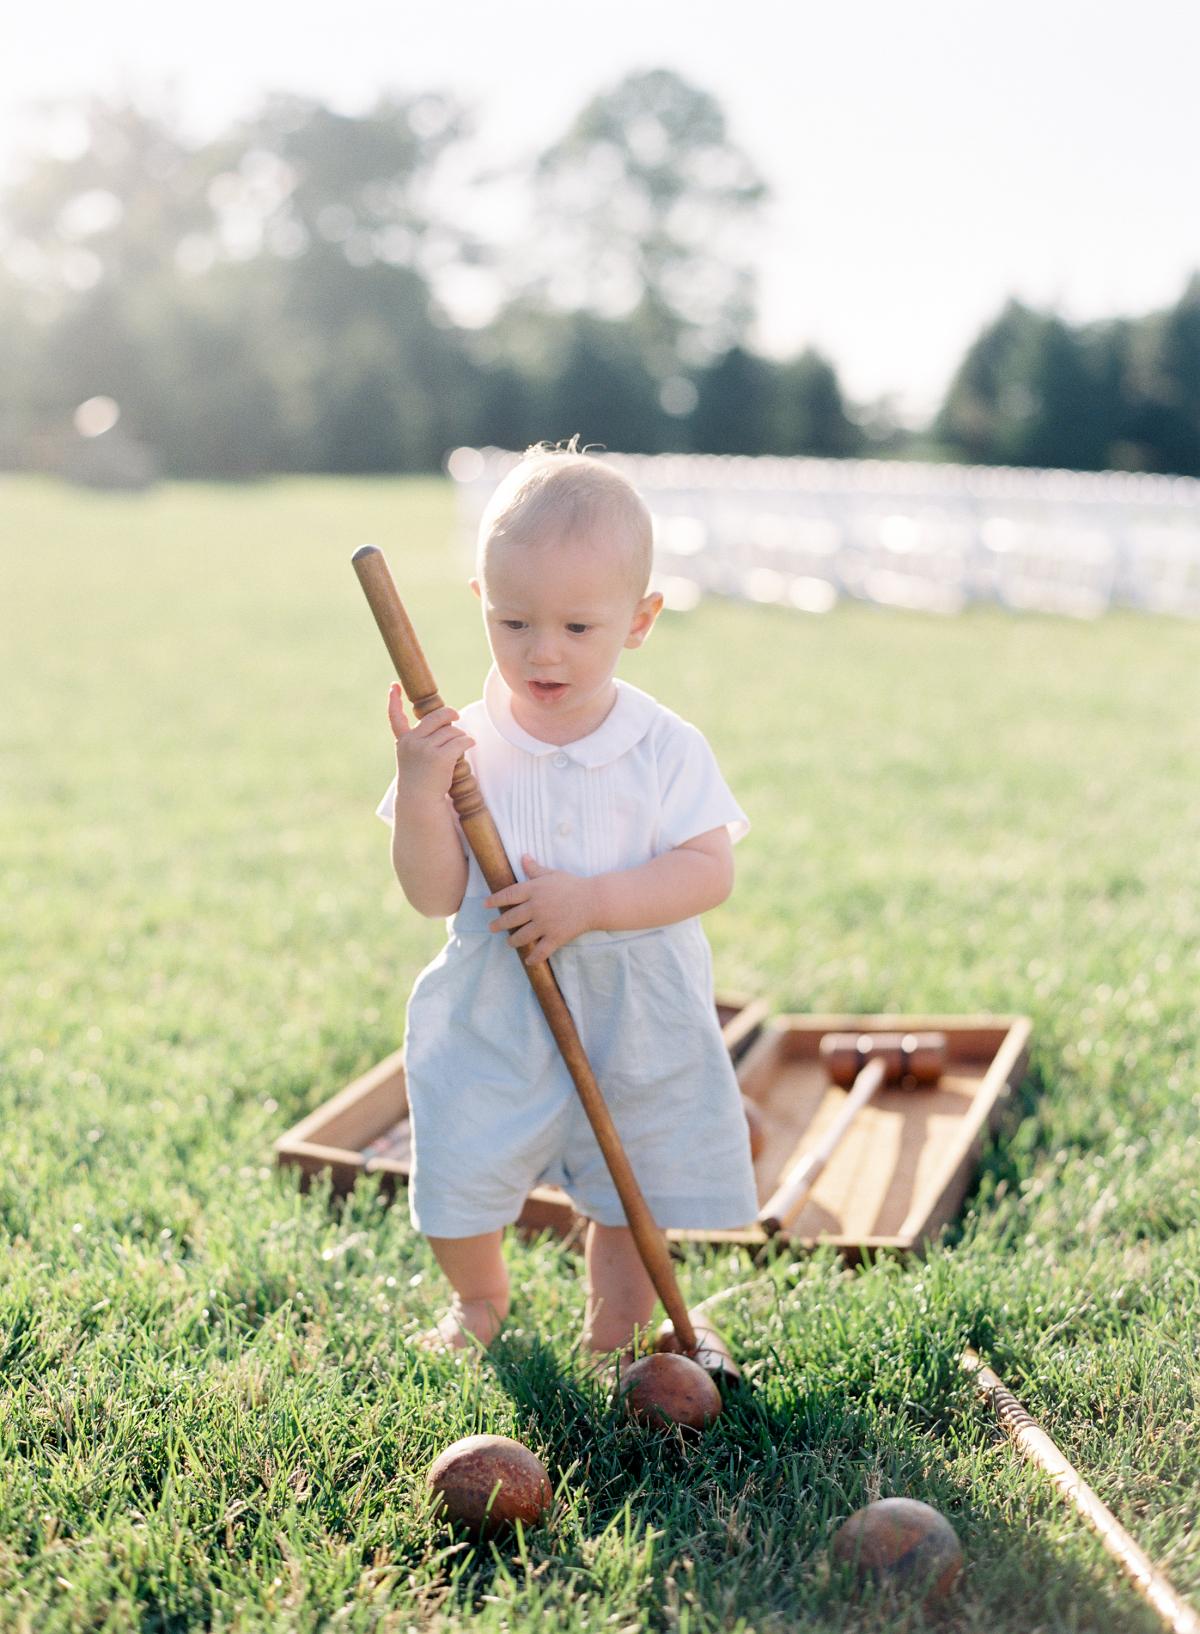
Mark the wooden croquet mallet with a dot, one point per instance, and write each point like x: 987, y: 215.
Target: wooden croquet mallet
x: 484, y: 839
x: 864, y: 1062
x: 1037, y: 1446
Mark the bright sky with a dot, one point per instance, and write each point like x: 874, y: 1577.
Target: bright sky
x: 927, y: 159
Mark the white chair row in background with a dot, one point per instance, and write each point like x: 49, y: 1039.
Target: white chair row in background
x: 805, y: 532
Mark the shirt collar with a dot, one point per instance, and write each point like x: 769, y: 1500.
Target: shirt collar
x: 626, y: 723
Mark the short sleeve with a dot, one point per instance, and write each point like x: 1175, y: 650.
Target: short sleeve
x: 695, y: 798
x: 386, y: 809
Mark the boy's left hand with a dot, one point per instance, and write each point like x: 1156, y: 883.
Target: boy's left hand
x: 544, y: 910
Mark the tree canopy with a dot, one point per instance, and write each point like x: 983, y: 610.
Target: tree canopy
x: 277, y: 298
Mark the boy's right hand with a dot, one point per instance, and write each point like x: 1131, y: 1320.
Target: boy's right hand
x: 427, y: 752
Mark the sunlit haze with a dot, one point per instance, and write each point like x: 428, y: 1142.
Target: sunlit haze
x: 926, y: 160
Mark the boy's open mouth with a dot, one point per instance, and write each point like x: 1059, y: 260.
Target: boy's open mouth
x: 547, y: 689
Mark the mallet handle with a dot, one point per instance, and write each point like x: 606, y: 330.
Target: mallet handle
x: 789, y: 1197
x: 1041, y: 1450
x: 483, y: 837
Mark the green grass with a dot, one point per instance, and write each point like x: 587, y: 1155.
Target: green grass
x: 210, y: 1417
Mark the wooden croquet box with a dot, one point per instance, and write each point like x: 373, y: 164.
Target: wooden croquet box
x: 905, y: 1163
x: 364, y: 1128
x: 903, y: 1167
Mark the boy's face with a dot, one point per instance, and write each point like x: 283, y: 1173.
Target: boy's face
x: 558, y: 612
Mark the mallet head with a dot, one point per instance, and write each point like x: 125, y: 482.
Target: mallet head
x: 711, y: 1352
x: 920, y: 1057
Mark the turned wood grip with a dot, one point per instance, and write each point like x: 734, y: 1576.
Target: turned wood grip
x: 416, y: 678
x: 789, y: 1197
x: 483, y: 837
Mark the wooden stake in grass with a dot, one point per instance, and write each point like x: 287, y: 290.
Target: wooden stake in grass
x: 1037, y: 1446
x: 483, y: 837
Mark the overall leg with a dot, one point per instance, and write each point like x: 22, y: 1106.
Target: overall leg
x: 475, y: 1269
x: 620, y: 1295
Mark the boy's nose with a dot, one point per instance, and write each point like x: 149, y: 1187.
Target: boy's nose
x: 544, y: 649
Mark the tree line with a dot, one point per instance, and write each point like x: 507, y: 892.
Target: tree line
x: 288, y: 297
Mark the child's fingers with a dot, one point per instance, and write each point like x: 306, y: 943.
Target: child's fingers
x: 449, y: 738
x: 395, y: 709
x: 450, y: 743
x: 507, y: 895
x: 447, y: 734
x: 515, y: 919
x: 522, y: 936
x: 541, y: 951
x: 435, y: 720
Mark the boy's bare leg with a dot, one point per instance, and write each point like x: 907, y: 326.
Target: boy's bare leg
x: 475, y: 1269
x: 621, y: 1297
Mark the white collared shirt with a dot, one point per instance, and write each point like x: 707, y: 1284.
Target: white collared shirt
x: 642, y: 783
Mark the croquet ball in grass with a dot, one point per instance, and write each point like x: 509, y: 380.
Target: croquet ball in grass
x: 903, y: 1543
x: 755, y: 1124
x: 665, y: 1389
x: 484, y: 1483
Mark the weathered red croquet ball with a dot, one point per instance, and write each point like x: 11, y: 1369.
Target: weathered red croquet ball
x: 755, y: 1124
x: 484, y: 1483
x: 901, y: 1542
x: 665, y: 1389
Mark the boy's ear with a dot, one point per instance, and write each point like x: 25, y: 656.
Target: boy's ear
x: 474, y: 583
x: 644, y: 614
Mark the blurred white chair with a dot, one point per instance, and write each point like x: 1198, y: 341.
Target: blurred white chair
x: 919, y: 558
x: 1161, y: 567
x: 1048, y: 566
x: 933, y: 538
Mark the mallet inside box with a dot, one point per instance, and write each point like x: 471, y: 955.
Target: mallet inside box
x: 898, y: 1175
x: 901, y: 1169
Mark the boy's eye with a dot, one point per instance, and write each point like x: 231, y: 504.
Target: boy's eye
x: 577, y: 629
x: 512, y: 623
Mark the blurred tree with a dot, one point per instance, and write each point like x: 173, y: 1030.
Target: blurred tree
x: 267, y: 301
x: 297, y: 175
x: 20, y: 344
x: 1062, y: 427
x: 1026, y: 394
x: 602, y: 388
x: 810, y: 414
x: 751, y: 405
x: 254, y: 304
x: 113, y: 212
x: 1163, y: 418
x: 643, y: 207
x: 1034, y: 391
x: 988, y: 396
x: 579, y: 374
x: 375, y: 384
x: 735, y: 400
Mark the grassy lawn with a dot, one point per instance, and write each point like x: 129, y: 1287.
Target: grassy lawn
x: 209, y: 1414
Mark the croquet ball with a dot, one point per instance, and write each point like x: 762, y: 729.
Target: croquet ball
x: 755, y: 1124
x: 666, y: 1389
x: 901, y: 1542
x: 484, y: 1483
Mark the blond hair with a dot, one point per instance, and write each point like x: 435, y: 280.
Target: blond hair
x: 561, y: 488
